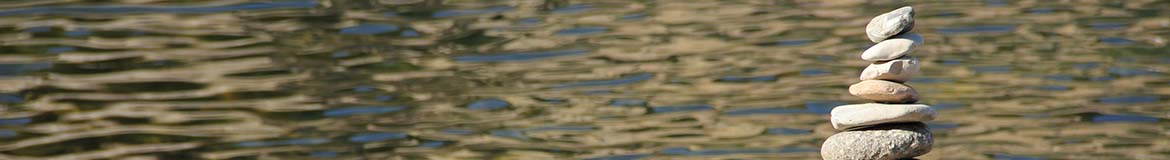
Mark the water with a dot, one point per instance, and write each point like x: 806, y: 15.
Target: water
x: 557, y: 79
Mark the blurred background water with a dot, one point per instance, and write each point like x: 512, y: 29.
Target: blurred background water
x: 564, y: 79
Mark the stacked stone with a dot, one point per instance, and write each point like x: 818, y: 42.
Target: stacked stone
x: 891, y: 127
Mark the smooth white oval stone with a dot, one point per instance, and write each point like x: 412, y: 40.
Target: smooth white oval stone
x: 890, y: 23
x: 897, y: 70
x: 860, y: 115
x: 893, y: 48
x: 882, y: 142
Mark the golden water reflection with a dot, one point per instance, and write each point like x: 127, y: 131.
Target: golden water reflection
x: 560, y: 79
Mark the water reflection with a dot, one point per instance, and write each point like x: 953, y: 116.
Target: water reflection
x: 524, y: 56
x: 374, y: 137
x: 488, y: 104
x: 368, y: 29
x: 558, y: 79
x: 129, y: 8
x: 361, y: 110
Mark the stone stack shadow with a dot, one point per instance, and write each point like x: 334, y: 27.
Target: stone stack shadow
x: 892, y: 127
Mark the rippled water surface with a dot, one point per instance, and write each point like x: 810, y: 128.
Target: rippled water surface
x: 564, y: 79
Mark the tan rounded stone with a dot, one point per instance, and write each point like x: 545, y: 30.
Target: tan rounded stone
x: 884, y: 91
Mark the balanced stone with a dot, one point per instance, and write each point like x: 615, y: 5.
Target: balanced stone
x: 889, y: 24
x: 881, y: 142
x: 897, y: 70
x: 860, y: 115
x: 892, y: 48
x: 884, y: 91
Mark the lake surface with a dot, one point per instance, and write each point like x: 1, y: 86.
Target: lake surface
x: 559, y: 79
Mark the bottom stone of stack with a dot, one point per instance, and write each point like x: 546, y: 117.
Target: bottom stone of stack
x: 879, y: 142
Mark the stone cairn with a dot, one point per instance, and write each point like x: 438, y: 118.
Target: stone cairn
x: 891, y: 127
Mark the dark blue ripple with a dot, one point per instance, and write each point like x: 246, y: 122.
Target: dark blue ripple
x: 1117, y: 41
x: 11, y: 98
x: 1131, y: 99
x: 1108, y: 26
x: 1127, y: 72
x: 374, y: 137
x: 627, y: 102
x: 15, y: 121
x: 1062, y: 78
x: 634, y: 16
x: 582, y: 31
x: 510, y: 133
x: 1104, y: 118
x: 821, y: 107
x: 530, y: 21
x: 814, y: 72
x: 8, y: 133
x: 362, y: 110
x: 951, y: 62
x: 682, y: 108
x: 60, y: 49
x: 767, y: 78
x: 488, y: 104
x: 574, y: 8
x: 368, y: 29
x: 787, y: 131
x: 1053, y: 88
x: 620, y: 81
x: 433, y: 144
x: 793, y: 42
x: 522, y: 56
x: 17, y: 69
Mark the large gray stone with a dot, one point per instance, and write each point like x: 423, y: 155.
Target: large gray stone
x: 897, y: 70
x: 889, y: 24
x: 881, y: 142
x: 884, y: 91
x: 893, y: 48
x: 861, y: 115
